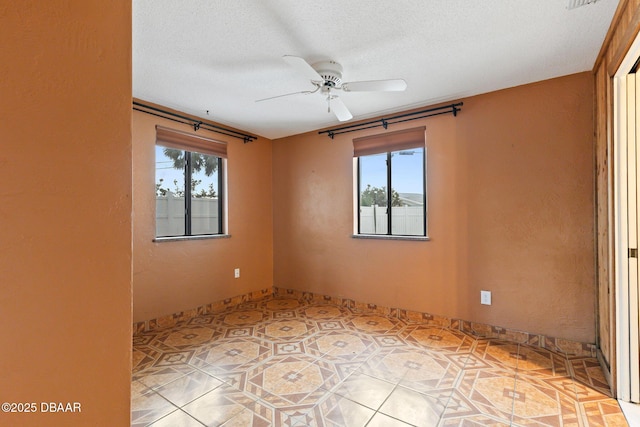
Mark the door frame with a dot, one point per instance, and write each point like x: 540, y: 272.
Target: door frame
x: 626, y: 387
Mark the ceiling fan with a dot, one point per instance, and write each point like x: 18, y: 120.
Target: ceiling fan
x: 326, y: 77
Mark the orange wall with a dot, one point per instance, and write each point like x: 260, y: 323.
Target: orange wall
x: 510, y: 193
x: 170, y: 277
x: 65, y: 215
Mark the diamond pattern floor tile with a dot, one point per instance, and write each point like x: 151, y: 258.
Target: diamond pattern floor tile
x: 285, y: 362
x: 365, y: 390
x: 177, y: 419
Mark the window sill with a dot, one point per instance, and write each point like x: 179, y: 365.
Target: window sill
x: 181, y: 238
x: 387, y: 237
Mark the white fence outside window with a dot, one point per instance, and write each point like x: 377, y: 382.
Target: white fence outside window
x: 170, y: 215
x: 407, y: 220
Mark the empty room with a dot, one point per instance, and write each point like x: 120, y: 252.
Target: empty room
x: 337, y: 214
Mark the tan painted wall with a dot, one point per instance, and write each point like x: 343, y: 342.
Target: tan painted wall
x: 510, y: 192
x: 170, y: 277
x: 65, y: 156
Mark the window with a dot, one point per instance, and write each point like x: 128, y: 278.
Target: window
x: 189, y: 184
x: 394, y: 161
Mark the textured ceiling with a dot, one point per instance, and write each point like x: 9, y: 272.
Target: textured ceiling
x: 222, y: 55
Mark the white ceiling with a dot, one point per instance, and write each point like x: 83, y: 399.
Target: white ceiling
x: 222, y: 55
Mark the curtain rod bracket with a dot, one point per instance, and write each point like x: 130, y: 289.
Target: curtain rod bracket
x: 385, y: 124
x: 196, y: 126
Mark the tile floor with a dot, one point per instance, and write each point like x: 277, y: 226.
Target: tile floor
x: 283, y: 362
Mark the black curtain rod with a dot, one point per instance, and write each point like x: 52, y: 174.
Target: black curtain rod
x: 197, y: 124
x: 385, y: 122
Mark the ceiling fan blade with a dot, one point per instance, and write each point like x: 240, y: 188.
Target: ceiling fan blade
x: 393, y: 85
x: 303, y: 67
x: 340, y: 110
x: 306, y: 92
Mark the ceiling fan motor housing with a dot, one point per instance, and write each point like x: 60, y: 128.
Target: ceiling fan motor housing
x: 330, y: 71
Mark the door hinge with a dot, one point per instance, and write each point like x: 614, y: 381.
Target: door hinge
x: 633, y: 252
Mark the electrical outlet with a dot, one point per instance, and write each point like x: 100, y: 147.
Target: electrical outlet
x: 236, y: 273
x: 485, y: 297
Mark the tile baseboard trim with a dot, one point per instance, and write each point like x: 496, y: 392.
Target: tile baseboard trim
x: 481, y: 330
x: 174, y: 319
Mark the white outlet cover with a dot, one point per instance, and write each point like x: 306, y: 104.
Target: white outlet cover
x: 485, y: 297
x: 236, y: 273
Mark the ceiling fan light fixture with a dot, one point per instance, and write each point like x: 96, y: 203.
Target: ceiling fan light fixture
x: 573, y: 4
